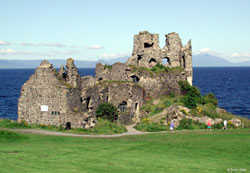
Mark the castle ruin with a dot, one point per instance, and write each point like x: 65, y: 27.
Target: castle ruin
x: 57, y: 97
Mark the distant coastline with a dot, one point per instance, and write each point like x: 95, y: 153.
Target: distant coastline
x: 201, y: 60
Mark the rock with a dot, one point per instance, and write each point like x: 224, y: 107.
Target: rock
x: 173, y: 112
x: 218, y: 121
x: 236, y: 122
x: 205, y: 119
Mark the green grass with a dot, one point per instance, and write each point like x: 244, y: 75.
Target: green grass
x: 189, y: 151
x: 164, y: 102
x: 151, y: 127
x: 102, y: 127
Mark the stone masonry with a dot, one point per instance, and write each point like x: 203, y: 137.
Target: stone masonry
x: 56, y: 98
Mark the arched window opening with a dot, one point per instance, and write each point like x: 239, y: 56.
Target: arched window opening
x: 183, y: 62
x: 135, y: 78
x: 123, y: 106
x: 139, y: 57
x: 87, y: 102
x: 152, y: 62
x: 148, y: 45
x: 166, y: 61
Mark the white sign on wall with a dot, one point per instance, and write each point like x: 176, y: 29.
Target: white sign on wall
x: 44, y: 108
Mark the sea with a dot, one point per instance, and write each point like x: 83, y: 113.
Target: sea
x: 231, y: 86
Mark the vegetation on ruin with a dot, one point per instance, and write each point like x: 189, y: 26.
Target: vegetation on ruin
x: 183, y: 151
x: 106, y: 83
x: 102, y: 127
x: 106, y: 66
x: 156, y: 70
x: 107, y: 111
x: 62, y: 80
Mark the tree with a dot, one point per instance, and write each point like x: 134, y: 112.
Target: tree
x: 107, y: 111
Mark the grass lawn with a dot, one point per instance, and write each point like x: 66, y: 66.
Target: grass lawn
x: 190, y: 151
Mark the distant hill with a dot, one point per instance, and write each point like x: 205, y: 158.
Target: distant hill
x: 56, y: 63
x: 201, y: 60
x: 206, y: 60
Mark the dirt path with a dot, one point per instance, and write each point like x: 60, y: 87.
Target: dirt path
x: 130, y: 128
x: 130, y: 132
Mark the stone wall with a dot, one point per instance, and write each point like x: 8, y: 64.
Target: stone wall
x: 55, y: 98
x: 147, y: 52
x: 46, y: 90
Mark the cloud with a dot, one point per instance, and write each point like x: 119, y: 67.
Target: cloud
x: 113, y: 55
x: 245, y: 54
x: 7, y: 51
x: 205, y: 51
x: 44, y: 44
x: 31, y: 53
x: 95, y: 46
x: 3, y: 43
x: 210, y: 52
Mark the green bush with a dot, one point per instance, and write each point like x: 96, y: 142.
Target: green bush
x: 159, y: 68
x: 109, y: 67
x: 102, y: 127
x: 186, y: 124
x: 218, y: 126
x: 107, y: 111
x: 192, y: 95
x: 152, y: 127
x: 210, y: 98
x: 189, y: 101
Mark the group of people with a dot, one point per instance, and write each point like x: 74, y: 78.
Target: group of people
x: 209, y: 125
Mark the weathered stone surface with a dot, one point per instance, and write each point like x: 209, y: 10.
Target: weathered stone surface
x: 74, y: 99
x: 46, y: 88
x: 147, y: 52
x: 236, y: 122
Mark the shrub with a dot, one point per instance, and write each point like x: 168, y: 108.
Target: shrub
x: 185, y: 124
x: 218, y: 126
x: 185, y: 86
x: 107, y: 111
x: 189, y: 101
x: 146, y: 121
x: 192, y: 94
x: 172, y: 94
x: 159, y: 67
x: 210, y: 98
x: 153, y: 127
x: 109, y: 67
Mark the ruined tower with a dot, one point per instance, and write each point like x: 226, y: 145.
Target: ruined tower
x: 147, y: 52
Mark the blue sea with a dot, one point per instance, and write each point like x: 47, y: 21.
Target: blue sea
x: 231, y: 85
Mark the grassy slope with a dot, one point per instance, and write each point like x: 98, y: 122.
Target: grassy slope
x: 102, y: 127
x: 170, y: 152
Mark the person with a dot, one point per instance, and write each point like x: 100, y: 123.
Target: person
x: 209, y: 125
x: 172, y: 125
x: 225, y: 124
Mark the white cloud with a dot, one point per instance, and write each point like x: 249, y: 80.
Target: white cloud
x: 95, y: 46
x: 31, y: 53
x: 245, y: 54
x: 205, y: 51
x: 3, y: 43
x: 113, y: 55
x: 44, y: 44
x: 7, y: 51
x: 210, y: 52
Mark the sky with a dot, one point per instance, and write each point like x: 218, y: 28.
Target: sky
x: 104, y: 29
